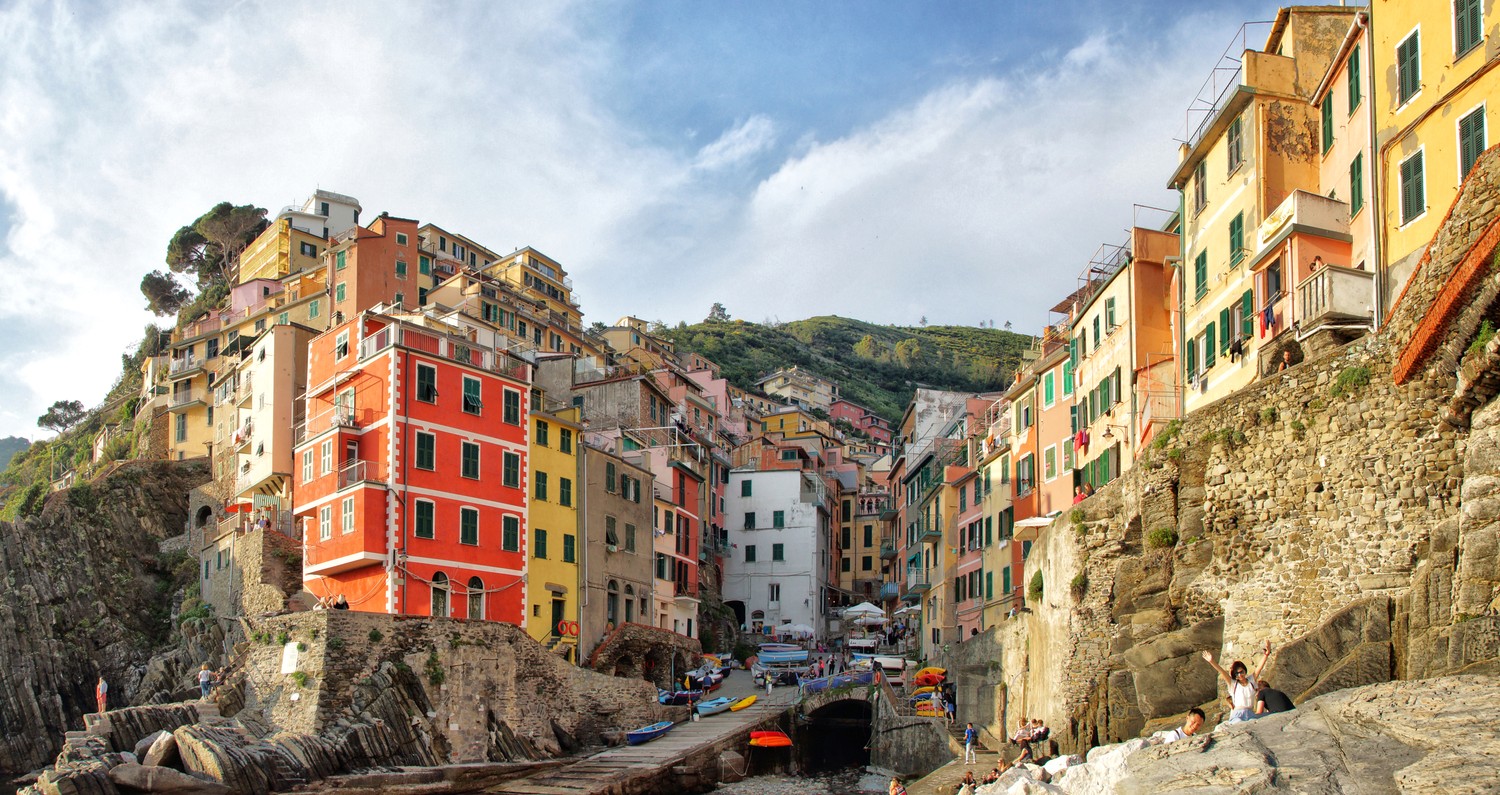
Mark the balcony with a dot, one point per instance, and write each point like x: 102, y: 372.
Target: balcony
x: 1335, y: 297
x: 184, y: 366
x: 187, y: 398
x: 929, y: 531
x: 244, y: 390
x: 887, y: 550
x: 243, y: 435
x: 339, y: 417
x: 498, y: 360
x: 917, y: 583
x: 356, y: 472
x: 207, y: 325
x: 889, y: 590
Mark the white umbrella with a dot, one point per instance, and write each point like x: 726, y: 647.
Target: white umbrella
x: 863, y: 609
x: 908, y: 609
x: 870, y: 621
x: 794, y: 629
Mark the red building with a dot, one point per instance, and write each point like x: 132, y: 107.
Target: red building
x: 412, y: 469
x: 862, y: 419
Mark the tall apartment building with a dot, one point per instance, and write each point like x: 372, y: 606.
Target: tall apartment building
x: 413, y: 465
x: 553, y: 530
x: 780, y: 536
x: 1252, y: 222
x: 618, y: 584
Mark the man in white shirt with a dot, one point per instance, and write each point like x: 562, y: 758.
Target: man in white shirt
x: 1189, y: 727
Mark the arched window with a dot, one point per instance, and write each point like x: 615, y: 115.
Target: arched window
x: 440, y: 594
x: 612, y: 603
x: 476, y: 598
x: 629, y: 603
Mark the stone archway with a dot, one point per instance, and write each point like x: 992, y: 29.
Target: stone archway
x: 203, y: 517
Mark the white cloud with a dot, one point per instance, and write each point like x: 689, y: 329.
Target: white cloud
x: 980, y: 200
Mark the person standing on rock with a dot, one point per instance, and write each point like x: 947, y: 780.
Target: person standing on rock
x: 1242, y: 685
x: 101, y: 694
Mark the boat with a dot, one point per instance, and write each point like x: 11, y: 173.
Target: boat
x: 742, y: 703
x: 714, y: 706
x: 770, y: 740
x: 677, y: 698
x: 646, y: 734
x: 838, y: 680
x: 792, y: 655
x: 933, y: 670
x: 779, y: 647
x: 919, y: 691
x: 927, y: 680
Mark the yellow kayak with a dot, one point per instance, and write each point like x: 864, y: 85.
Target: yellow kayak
x: 919, y: 691
x: 933, y: 670
x: 742, y: 703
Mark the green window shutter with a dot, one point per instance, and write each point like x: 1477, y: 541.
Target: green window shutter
x: 339, y: 263
x: 1409, y: 67
x: 1067, y: 378
x: 1413, y: 199
x: 1097, y: 335
x: 1467, y: 25
x: 1200, y: 274
x: 1237, y: 238
x: 1354, y: 95
x: 1192, y: 359
x: 1224, y: 338
x: 570, y: 554
x: 1357, y: 184
x: 1470, y: 141
x: 1048, y: 389
x: 1208, y: 346
x: 1247, y: 314
x: 1109, y: 312
x: 1327, y: 123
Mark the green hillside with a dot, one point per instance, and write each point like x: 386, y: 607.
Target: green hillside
x: 878, y: 367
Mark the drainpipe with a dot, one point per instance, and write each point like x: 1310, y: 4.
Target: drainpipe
x: 1377, y: 176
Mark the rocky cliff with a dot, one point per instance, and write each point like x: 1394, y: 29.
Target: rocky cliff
x: 85, y: 591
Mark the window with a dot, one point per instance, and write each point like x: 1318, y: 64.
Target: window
x: 1200, y: 275
x: 1025, y: 474
x: 1357, y: 184
x: 426, y: 451
x: 788, y: 455
x: 312, y: 308
x: 570, y: 548
x: 539, y: 543
x: 473, y: 395
x: 1208, y: 346
x: 1236, y: 143
x: 510, y: 533
x: 421, y: 296
x: 307, y: 466
x: 1067, y: 455
x: 750, y: 520
x: 307, y: 249
x: 1109, y: 315
x: 565, y: 492
x: 424, y: 265
x: 1049, y: 463
x: 543, y: 431
x: 512, y: 413
x: 1408, y: 68
x: 609, y: 476
x: 347, y: 515
x: 400, y: 269
x: 1327, y: 122
x: 1098, y: 335
x: 869, y: 535
x: 1224, y: 323
x: 629, y: 537
x: 1470, y: 140
x: 426, y: 383
x: 1354, y: 83
x: 844, y: 564
x: 327, y: 456
x: 340, y: 292
x: 1200, y: 186
x: 1413, y: 193
x: 745, y: 487
x: 510, y: 471
x: 476, y: 598
x: 400, y: 238
x: 539, y: 481
x: 325, y: 522
x: 749, y: 553
x: 778, y: 552
x: 565, y: 440
x: 1468, y: 26
x: 866, y: 563
x: 610, y: 536
x: 470, y: 467
x: 468, y: 526
x: 1049, y: 388
x: 1247, y: 315
x: 778, y: 519
x: 1067, y: 378
x: 341, y: 345
x: 1237, y: 239
x: 424, y: 519
x: 774, y: 591
x: 339, y: 262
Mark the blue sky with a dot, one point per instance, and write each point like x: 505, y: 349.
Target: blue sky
x: 887, y: 161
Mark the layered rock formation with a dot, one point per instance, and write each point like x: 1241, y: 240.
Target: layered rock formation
x: 1433, y: 735
x: 85, y: 591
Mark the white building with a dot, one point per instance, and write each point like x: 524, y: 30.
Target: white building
x: 779, y: 562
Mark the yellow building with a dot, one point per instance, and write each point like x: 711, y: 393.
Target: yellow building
x: 1001, y: 563
x: 287, y: 246
x: 1431, y: 107
x: 1240, y: 164
x: 800, y: 387
x: 552, y: 514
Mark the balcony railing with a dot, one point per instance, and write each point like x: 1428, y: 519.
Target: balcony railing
x: 201, y: 327
x: 917, y: 581
x: 356, y: 472
x: 186, y: 397
x: 889, y: 590
x: 887, y: 550
x: 184, y: 365
x: 339, y: 417
x: 439, y: 344
x: 929, y: 531
x: 1335, y: 295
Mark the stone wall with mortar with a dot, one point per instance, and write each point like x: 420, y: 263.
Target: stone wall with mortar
x: 464, y: 690
x: 1345, y: 518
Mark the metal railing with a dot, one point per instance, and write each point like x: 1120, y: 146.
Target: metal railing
x: 497, y: 360
x: 185, y: 364
x: 355, y: 472
x: 339, y: 417
x: 187, y: 396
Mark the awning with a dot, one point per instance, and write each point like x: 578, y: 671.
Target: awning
x: 1031, y: 529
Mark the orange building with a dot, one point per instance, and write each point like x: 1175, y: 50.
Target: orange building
x: 411, y: 469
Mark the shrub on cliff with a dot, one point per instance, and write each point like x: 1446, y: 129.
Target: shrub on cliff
x: 1349, y: 380
x: 1161, y: 538
x: 1034, y: 590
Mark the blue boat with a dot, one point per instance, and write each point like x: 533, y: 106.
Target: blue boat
x: 714, y: 706
x: 677, y: 698
x: 780, y: 657
x: 849, y: 678
x: 646, y: 734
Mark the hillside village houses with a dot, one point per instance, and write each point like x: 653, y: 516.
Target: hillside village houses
x: 430, y: 426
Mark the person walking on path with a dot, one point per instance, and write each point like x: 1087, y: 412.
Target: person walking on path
x: 205, y: 681
x: 969, y: 737
x: 101, y: 694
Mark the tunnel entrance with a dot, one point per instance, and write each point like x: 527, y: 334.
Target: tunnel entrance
x: 835, y: 737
